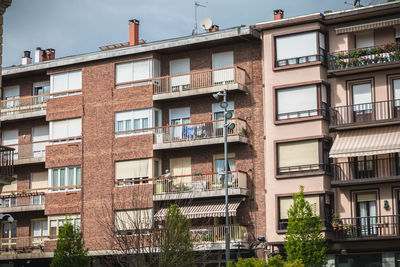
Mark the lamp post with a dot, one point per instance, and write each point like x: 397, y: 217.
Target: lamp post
x: 10, y: 218
x: 231, y: 126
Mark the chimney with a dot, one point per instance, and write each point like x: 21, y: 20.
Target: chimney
x: 38, y: 55
x: 133, y: 32
x: 214, y: 28
x: 278, y: 14
x: 27, y: 58
x: 48, y: 54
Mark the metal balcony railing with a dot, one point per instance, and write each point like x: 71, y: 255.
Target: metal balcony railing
x: 198, y: 182
x: 216, y: 234
x: 6, y: 161
x: 27, y: 104
x: 368, y: 56
x: 22, y: 200
x: 193, y: 80
x: 366, y: 169
x: 364, y: 113
x: 198, y: 131
x: 368, y: 226
x: 22, y: 244
x: 30, y: 150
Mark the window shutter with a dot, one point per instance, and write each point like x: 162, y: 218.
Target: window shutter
x: 222, y: 60
x: 179, y: 66
x: 362, y: 93
x: 10, y: 92
x: 124, y: 72
x: 141, y: 70
x: 363, y: 197
x: 59, y: 82
x: 365, y: 39
x: 9, y: 187
x: 74, y: 127
x: 133, y: 219
x: 39, y: 180
x: 75, y: 80
x: 10, y: 137
x: 298, y: 45
x: 179, y: 113
x: 59, y: 129
x: 396, y: 88
x: 298, y: 153
x: 286, y: 202
x: 180, y: 166
x: 302, y: 98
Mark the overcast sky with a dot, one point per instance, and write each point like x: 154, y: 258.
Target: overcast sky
x: 81, y: 26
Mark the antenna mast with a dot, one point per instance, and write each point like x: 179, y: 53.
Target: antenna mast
x: 196, y: 5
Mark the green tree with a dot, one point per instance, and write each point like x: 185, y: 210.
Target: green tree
x: 275, y: 261
x: 304, y: 239
x: 70, y: 251
x: 177, y: 247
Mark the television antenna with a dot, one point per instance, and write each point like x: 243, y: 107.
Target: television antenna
x: 206, y: 24
x: 196, y: 5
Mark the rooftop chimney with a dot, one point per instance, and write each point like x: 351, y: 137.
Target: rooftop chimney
x: 27, y: 58
x: 214, y: 28
x: 278, y: 14
x: 48, y: 54
x: 133, y: 32
x: 38, y: 54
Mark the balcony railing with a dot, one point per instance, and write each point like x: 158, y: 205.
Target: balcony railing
x: 193, y: 80
x: 198, y: 131
x: 199, y: 182
x: 365, y: 113
x: 303, y: 168
x: 22, y: 200
x: 28, y: 104
x: 6, y: 161
x: 216, y: 234
x: 361, y: 57
x: 22, y: 244
x: 366, y: 169
x: 366, y: 227
x: 30, y: 150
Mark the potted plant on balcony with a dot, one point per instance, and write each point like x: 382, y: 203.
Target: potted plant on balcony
x: 336, y: 221
x: 243, y: 131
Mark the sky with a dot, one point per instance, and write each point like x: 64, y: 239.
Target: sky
x: 74, y: 27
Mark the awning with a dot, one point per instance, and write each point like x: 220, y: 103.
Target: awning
x: 204, y: 209
x: 368, y: 26
x: 374, y: 141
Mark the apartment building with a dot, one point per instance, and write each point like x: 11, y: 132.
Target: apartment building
x: 331, y: 99
x: 126, y: 131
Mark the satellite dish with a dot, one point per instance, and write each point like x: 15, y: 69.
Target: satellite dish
x: 206, y: 24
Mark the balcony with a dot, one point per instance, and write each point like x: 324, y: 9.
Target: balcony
x: 199, y: 186
x: 195, y: 83
x: 360, y: 115
x: 207, y: 237
x: 199, y: 134
x: 366, y: 172
x: 6, y: 164
x: 20, y: 245
x: 30, y: 153
x: 21, y: 202
x: 364, y: 59
x: 28, y: 106
x: 367, y: 228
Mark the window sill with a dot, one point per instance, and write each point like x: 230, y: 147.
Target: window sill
x: 300, y: 174
x: 303, y: 119
x: 295, y: 66
x: 281, y: 232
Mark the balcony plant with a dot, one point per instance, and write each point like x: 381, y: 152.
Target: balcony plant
x: 243, y: 131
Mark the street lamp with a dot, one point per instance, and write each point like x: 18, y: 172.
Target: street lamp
x: 230, y: 126
x: 10, y: 218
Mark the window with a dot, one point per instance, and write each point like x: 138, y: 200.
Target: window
x: 55, y: 222
x: 300, y: 156
x: 220, y: 61
x: 365, y: 167
x: 219, y: 167
x: 178, y: 67
x: 8, y: 202
x: 366, y: 211
x: 301, y: 101
x: 66, y: 81
x: 39, y: 180
x: 286, y: 202
x: 8, y: 232
x: 136, y: 71
x: 396, y: 93
x: 10, y: 93
x: 218, y: 114
x: 39, y: 231
x: 178, y: 116
x: 64, y: 177
x: 134, y: 121
x: 300, y: 48
x: 131, y: 221
x: 62, y: 130
x: 362, y: 102
x: 10, y: 139
x: 40, y: 138
x: 40, y: 89
x: 397, y: 35
x: 365, y: 39
x: 137, y: 171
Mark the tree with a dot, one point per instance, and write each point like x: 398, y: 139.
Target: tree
x: 177, y: 247
x: 304, y: 239
x: 275, y: 261
x: 70, y: 251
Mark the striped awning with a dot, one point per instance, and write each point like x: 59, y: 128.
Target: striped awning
x: 203, y: 209
x: 374, y: 141
x: 368, y: 26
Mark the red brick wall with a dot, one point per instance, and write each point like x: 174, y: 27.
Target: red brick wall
x: 66, y: 107
x: 62, y: 155
x: 63, y: 202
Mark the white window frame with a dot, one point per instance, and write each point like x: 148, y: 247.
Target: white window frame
x: 137, y: 114
x: 73, y: 186
x: 62, y: 141
x: 60, y: 220
x: 154, y: 71
x: 66, y: 93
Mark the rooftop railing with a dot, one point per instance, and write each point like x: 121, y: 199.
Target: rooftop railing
x: 366, y: 227
x: 361, y: 57
x: 198, y: 182
x: 27, y: 104
x: 366, y: 169
x: 193, y: 80
x: 216, y: 234
x: 366, y: 112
